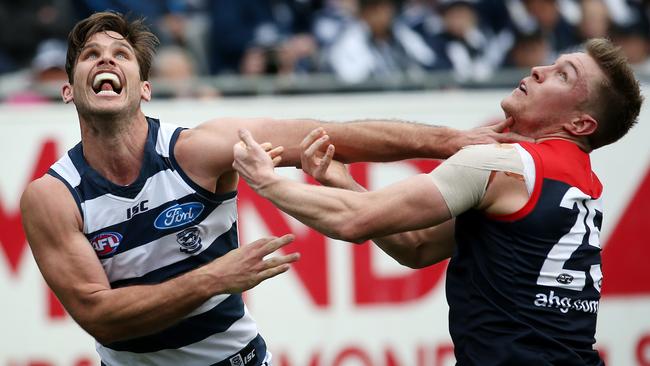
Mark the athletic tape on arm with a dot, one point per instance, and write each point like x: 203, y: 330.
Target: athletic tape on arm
x: 462, y: 179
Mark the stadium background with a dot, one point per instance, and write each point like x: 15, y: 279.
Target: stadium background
x: 342, y: 304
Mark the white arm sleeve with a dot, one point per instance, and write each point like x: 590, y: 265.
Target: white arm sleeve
x: 462, y: 179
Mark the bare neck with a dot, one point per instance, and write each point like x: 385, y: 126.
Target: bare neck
x: 115, y: 148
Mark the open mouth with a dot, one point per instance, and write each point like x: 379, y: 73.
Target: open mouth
x: 107, y: 83
x: 522, y: 87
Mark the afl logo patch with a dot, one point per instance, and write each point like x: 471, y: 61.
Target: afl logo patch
x: 106, y: 243
x: 178, y: 215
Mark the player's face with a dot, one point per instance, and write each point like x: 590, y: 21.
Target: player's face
x: 552, y: 95
x: 107, y: 77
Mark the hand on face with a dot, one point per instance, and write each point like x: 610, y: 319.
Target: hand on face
x: 255, y: 162
x: 316, y: 160
x: 495, y: 133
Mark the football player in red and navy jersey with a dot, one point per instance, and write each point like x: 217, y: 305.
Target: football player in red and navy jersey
x: 521, y: 222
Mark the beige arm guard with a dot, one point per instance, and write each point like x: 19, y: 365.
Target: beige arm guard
x: 462, y: 179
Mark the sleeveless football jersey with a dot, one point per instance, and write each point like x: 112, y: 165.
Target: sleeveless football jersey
x: 157, y: 228
x: 524, y: 289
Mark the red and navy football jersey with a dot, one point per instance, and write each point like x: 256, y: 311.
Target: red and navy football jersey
x: 524, y: 289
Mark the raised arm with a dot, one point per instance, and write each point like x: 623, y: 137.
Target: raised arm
x: 70, y: 266
x: 342, y: 214
x: 209, y: 146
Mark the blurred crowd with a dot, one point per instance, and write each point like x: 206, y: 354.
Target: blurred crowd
x: 354, y: 40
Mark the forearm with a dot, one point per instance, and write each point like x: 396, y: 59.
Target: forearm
x: 407, y: 205
x: 112, y: 315
x: 328, y: 210
x: 391, y: 140
x: 368, y: 140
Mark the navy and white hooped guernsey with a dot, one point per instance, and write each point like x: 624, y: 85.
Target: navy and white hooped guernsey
x: 159, y: 227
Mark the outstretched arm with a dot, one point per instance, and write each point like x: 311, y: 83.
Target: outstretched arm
x: 416, y: 248
x: 342, y: 214
x: 208, y: 147
x: 70, y: 267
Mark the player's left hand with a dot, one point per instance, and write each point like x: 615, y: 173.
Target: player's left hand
x: 253, y: 162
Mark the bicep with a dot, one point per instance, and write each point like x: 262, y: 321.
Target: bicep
x: 63, y: 254
x: 208, y: 148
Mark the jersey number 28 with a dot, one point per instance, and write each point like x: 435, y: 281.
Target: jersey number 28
x: 553, y: 272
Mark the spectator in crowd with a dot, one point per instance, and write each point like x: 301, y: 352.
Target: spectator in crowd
x: 176, y: 22
x: 595, y: 21
x: 548, y: 19
x: 25, y: 24
x: 262, y: 36
x: 464, y: 45
x: 46, y: 75
x: 330, y: 21
x: 634, y: 40
x: 494, y: 14
x: 175, y: 70
x: 377, y: 44
x: 354, y: 39
x: 555, y: 23
x: 423, y: 17
x: 164, y: 16
x: 528, y: 51
x: 297, y: 54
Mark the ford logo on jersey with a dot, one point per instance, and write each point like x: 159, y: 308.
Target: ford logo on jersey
x: 106, y: 243
x: 178, y: 215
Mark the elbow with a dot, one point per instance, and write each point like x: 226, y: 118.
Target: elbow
x: 106, y: 334
x: 99, y: 326
x: 410, y: 262
x: 103, y: 333
x: 410, y: 259
x: 353, y: 230
x: 103, y: 337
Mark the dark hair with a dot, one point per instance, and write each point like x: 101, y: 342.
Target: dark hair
x: 135, y: 32
x: 617, y: 98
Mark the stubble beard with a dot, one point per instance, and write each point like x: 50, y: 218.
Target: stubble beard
x: 106, y: 122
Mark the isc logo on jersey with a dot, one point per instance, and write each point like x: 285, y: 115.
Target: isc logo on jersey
x: 106, y: 243
x: 178, y: 215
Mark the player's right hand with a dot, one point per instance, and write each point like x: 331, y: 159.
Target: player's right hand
x: 253, y: 163
x: 494, y: 133
x: 245, y: 267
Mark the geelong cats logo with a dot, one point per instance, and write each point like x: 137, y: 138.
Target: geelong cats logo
x: 189, y: 240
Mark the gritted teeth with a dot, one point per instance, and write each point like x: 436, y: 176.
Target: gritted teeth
x: 107, y: 77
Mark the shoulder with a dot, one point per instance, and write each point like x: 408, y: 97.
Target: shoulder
x: 47, y: 201
x: 487, y: 156
x: 44, y: 190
